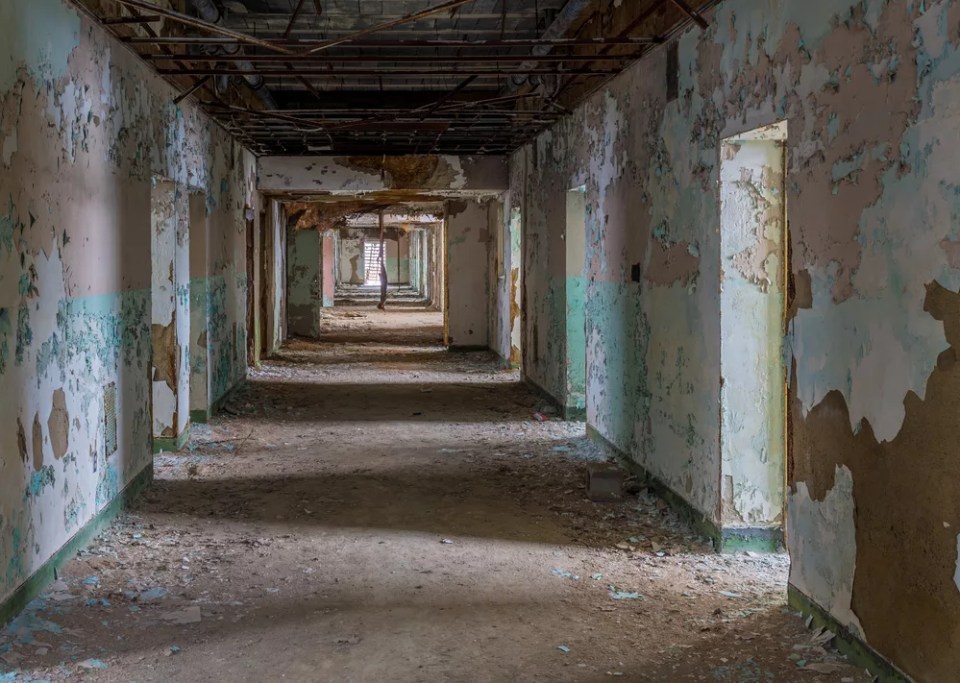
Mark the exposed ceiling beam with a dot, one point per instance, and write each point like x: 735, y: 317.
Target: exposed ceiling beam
x: 377, y: 28
x: 405, y: 44
x: 523, y: 60
x: 314, y: 72
x: 690, y: 12
x: 202, y: 25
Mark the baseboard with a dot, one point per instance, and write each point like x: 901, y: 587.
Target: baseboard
x: 757, y: 539
x: 199, y: 416
x: 47, y: 574
x: 725, y: 540
x: 857, y: 652
x: 227, y: 395
x: 569, y: 413
x: 167, y: 444
x: 467, y: 348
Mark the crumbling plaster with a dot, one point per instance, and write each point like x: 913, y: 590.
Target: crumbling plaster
x: 84, y: 128
x: 429, y: 174
x: 869, y: 89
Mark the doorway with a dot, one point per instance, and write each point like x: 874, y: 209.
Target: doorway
x: 754, y: 264
x: 575, y: 301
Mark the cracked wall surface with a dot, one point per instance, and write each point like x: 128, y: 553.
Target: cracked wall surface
x: 869, y: 90
x: 84, y: 128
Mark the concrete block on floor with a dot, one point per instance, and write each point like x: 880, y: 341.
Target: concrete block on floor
x: 604, y: 482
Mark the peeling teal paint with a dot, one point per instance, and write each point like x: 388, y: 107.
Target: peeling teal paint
x: 6, y: 331
x: 8, y: 225
x: 576, y: 343
x: 39, y: 481
x: 24, y: 332
x: 40, y: 35
x: 109, y: 485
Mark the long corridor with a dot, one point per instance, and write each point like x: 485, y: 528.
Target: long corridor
x: 374, y: 508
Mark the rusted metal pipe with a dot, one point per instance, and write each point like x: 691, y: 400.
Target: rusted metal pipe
x: 416, y: 16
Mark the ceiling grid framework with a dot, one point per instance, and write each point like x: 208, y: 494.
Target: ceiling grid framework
x: 390, y: 77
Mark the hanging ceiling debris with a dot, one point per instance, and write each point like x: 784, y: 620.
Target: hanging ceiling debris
x: 374, y: 77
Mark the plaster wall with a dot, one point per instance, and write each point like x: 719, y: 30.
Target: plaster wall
x: 303, y: 282
x: 199, y: 331
x: 351, y: 261
x: 752, y: 396
x: 431, y: 174
x: 84, y: 128
x: 468, y: 294
x: 870, y: 92
x: 328, y: 265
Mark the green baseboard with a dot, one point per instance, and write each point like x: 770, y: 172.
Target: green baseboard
x: 725, y: 540
x: 47, y: 574
x: 857, y: 652
x: 756, y: 539
x: 227, y: 395
x: 170, y: 445
x: 569, y: 413
x: 199, y: 416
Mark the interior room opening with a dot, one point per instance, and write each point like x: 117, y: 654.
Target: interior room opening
x: 753, y: 239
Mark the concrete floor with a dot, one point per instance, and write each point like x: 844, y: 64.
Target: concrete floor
x: 373, y: 508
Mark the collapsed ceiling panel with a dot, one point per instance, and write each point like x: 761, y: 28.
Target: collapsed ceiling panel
x: 375, y: 77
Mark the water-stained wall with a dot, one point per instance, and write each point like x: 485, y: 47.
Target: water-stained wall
x: 468, y: 282
x: 84, y: 128
x: 870, y: 92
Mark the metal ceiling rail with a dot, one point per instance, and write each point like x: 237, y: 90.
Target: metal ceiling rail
x: 416, y: 16
x: 384, y: 73
x: 402, y: 59
x: 194, y: 22
x: 403, y: 44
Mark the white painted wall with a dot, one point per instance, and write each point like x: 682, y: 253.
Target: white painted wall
x: 751, y: 322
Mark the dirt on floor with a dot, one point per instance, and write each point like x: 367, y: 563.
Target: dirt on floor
x: 371, y: 507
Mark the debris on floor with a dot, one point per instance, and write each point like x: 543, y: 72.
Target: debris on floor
x: 348, y: 537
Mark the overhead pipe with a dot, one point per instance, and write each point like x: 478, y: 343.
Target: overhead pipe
x: 210, y: 13
x: 557, y: 29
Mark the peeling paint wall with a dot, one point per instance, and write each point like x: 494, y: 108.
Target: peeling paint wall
x: 200, y: 404
x: 505, y: 274
x: 752, y: 396
x: 328, y: 269
x: 451, y: 175
x: 351, y: 260
x: 303, y: 282
x: 84, y: 128
x: 468, y: 293
x: 169, y: 256
x: 870, y: 92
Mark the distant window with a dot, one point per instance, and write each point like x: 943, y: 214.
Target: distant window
x: 371, y: 257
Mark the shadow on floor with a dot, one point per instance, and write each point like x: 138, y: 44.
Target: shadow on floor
x: 460, y: 499
x: 293, y: 401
